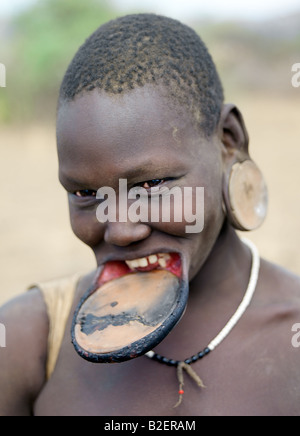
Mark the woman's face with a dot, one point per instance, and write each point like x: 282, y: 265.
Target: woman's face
x: 143, y: 139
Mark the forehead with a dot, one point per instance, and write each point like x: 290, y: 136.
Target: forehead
x: 124, y: 131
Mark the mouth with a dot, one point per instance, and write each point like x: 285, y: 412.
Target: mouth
x: 132, y: 305
x: 167, y: 261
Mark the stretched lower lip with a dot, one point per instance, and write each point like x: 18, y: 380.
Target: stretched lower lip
x: 117, y: 320
x: 115, y: 269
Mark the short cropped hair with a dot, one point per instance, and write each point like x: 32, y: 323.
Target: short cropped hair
x: 140, y: 49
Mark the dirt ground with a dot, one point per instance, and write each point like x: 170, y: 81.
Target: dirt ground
x: 37, y: 242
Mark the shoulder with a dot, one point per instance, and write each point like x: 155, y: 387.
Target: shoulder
x: 276, y: 306
x: 22, y: 360
x: 277, y: 296
x: 279, y: 285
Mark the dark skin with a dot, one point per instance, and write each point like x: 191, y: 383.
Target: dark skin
x: 255, y: 371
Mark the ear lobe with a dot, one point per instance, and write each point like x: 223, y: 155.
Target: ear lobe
x: 233, y: 132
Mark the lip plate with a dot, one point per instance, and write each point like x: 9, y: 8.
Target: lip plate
x: 144, y: 344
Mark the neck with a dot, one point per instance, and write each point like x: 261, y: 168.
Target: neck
x: 227, y: 268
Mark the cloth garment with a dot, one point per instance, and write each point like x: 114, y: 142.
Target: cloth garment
x: 58, y: 296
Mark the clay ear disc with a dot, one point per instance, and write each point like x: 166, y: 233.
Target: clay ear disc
x: 248, y: 196
x: 128, y: 316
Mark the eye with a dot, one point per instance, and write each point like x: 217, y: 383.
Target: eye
x: 148, y: 184
x: 85, y: 193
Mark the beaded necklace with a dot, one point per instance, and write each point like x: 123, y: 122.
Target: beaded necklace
x: 185, y: 365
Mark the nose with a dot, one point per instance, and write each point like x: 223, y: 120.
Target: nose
x: 124, y: 234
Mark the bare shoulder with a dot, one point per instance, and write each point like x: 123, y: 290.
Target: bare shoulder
x: 277, y: 297
x: 277, y: 306
x: 280, y: 285
x: 22, y: 360
x: 271, y: 342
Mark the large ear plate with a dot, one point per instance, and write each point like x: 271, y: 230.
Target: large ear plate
x: 245, y: 196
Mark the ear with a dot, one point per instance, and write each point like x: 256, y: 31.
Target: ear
x: 232, y: 129
x: 245, y: 195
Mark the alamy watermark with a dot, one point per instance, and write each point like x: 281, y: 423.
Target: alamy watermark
x: 158, y: 204
x: 2, y: 76
x: 296, y: 336
x: 2, y: 336
x: 296, y: 75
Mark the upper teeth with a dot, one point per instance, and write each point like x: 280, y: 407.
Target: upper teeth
x: 161, y: 258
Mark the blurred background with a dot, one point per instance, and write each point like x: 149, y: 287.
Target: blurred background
x: 254, y: 45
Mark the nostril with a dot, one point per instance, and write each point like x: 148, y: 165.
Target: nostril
x: 123, y: 234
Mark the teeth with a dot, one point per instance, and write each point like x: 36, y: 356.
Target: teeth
x: 136, y: 263
x: 132, y: 263
x: 143, y: 261
x: 161, y: 258
x: 165, y: 256
x: 162, y: 262
x: 153, y: 258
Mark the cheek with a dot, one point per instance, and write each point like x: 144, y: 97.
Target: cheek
x: 213, y: 212
x: 196, y: 210
x: 86, y: 227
